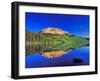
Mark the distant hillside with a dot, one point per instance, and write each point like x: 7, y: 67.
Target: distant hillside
x: 54, y: 31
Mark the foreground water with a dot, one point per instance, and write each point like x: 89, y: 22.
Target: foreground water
x: 75, y: 57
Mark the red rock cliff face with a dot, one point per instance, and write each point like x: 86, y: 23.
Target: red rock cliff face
x: 53, y: 31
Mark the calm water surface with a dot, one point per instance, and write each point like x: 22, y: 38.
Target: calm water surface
x: 78, y: 56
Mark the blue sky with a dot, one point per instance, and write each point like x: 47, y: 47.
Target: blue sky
x: 74, y: 24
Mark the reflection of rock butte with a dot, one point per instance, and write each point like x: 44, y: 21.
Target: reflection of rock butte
x: 54, y: 54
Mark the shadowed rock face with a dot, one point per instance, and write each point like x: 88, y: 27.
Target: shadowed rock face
x: 53, y: 31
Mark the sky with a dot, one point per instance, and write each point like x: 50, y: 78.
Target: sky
x: 74, y: 24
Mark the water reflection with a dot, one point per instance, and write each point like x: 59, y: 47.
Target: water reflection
x: 54, y: 54
x: 57, y: 58
x: 45, y: 51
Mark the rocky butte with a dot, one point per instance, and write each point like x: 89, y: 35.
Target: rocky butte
x: 54, y: 31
